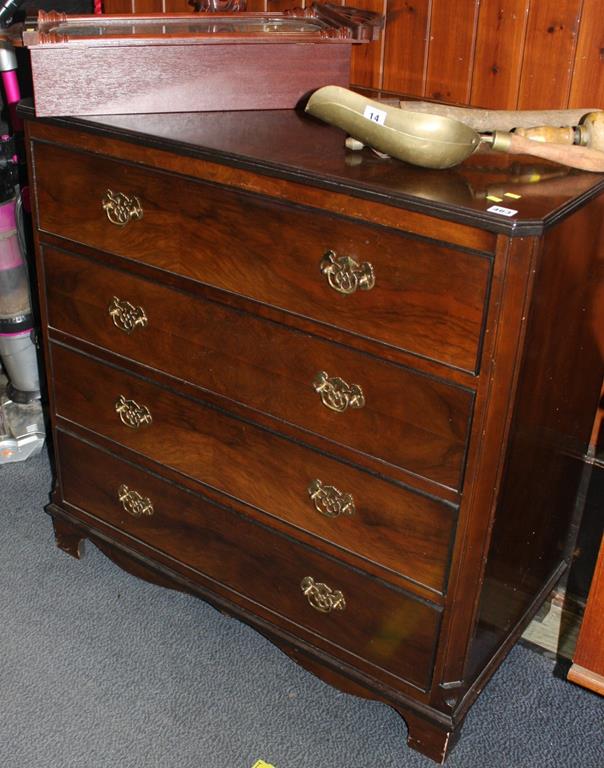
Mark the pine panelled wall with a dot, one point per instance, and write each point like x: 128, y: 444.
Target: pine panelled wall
x: 499, y: 54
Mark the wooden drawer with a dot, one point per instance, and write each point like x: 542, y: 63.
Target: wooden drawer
x: 380, y: 521
x: 384, y: 626
x: 268, y: 367
x: 428, y: 298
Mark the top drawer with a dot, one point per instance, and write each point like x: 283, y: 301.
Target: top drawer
x: 375, y: 282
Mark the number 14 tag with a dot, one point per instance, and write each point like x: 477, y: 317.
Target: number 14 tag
x: 375, y: 115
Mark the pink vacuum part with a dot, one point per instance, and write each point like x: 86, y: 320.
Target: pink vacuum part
x: 26, y: 332
x: 13, y: 95
x: 10, y: 252
x: 7, y: 216
x: 10, y: 256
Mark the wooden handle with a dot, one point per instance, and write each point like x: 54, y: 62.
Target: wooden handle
x: 589, y: 133
x: 592, y: 130
x: 584, y: 158
x: 548, y: 134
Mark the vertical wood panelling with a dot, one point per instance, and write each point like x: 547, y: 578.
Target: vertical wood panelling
x: 551, y: 37
x: 405, y: 46
x: 451, y: 49
x: 177, y: 6
x: 499, y: 53
x: 149, y: 6
x: 588, y: 75
x: 280, y: 5
x: 119, y: 6
x: 507, y: 54
x: 366, y: 65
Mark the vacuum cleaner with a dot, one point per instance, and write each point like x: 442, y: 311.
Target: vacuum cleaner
x: 22, y: 430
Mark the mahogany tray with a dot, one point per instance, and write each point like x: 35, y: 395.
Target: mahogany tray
x: 131, y: 64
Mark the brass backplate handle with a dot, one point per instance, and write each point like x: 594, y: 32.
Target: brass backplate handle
x: 321, y: 597
x: 121, y: 209
x: 329, y: 501
x: 126, y: 316
x: 134, y: 504
x: 345, y: 275
x: 336, y: 394
x: 132, y: 414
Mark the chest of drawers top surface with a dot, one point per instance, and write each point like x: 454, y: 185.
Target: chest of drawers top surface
x: 287, y: 144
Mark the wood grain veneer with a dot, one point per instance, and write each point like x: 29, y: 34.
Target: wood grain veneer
x: 402, y: 531
x: 175, y: 228
x: 432, y: 419
x: 235, y: 548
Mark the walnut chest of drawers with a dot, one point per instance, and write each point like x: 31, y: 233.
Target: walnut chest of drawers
x: 332, y: 394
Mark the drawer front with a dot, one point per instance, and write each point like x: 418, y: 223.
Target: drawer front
x: 403, y: 531
x: 361, y: 616
x: 398, y: 290
x: 269, y: 367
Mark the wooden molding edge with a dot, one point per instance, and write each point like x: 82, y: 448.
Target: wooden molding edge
x: 586, y: 678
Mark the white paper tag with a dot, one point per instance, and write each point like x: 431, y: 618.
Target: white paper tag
x: 502, y: 211
x: 375, y: 115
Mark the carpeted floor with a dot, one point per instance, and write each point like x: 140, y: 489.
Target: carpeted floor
x: 100, y: 670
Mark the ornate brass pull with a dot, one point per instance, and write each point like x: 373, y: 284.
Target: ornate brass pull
x: 126, y: 316
x: 337, y: 394
x: 329, y: 501
x: 321, y: 597
x: 346, y: 275
x: 121, y: 209
x: 132, y: 414
x: 134, y: 504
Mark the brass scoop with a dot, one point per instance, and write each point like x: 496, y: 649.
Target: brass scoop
x: 430, y: 141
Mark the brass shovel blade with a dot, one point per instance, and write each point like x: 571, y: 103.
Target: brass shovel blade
x: 430, y: 141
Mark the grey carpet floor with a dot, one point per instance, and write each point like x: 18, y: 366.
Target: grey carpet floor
x: 101, y: 670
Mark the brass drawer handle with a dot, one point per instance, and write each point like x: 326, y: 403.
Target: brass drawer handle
x: 121, y: 209
x: 346, y: 275
x: 132, y: 414
x: 134, y: 504
x: 126, y: 316
x: 337, y: 394
x: 329, y: 501
x: 321, y: 597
